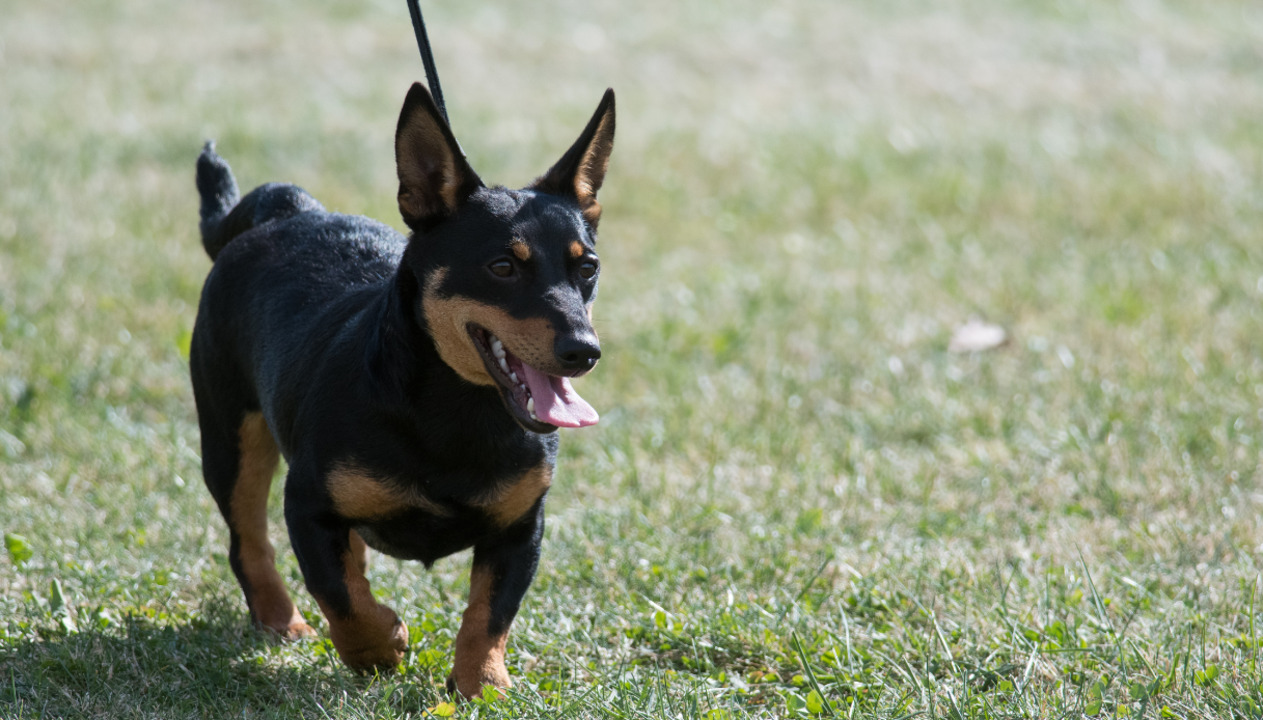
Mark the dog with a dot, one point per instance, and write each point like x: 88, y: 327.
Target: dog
x: 414, y: 385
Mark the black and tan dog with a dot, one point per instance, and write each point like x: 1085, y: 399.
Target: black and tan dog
x: 413, y: 384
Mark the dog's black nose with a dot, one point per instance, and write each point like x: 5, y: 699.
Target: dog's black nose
x: 578, y: 353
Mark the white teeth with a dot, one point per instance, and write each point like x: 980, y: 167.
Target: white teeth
x: 501, y: 355
x: 497, y: 349
x: 530, y: 403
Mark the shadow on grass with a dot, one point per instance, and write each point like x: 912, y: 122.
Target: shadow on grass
x: 210, y: 666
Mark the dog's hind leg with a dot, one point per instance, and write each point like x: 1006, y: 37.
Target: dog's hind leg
x: 238, y: 465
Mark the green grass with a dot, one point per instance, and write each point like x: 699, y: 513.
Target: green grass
x: 798, y: 502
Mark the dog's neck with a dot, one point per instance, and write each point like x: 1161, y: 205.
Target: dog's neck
x: 400, y: 347
x: 406, y: 366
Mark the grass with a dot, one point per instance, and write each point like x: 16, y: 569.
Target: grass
x: 798, y: 503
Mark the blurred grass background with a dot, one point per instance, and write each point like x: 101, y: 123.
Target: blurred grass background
x: 798, y: 502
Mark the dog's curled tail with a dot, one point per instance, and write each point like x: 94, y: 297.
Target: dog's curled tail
x: 225, y: 214
x: 218, y: 189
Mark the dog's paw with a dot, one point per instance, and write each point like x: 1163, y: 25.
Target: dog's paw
x: 295, y: 631
x: 472, y: 686
x: 292, y: 628
x: 374, y: 643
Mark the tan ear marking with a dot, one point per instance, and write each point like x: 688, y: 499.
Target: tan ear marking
x: 592, y: 213
x: 427, y: 176
x: 581, y: 170
x: 595, y: 162
x: 434, y: 177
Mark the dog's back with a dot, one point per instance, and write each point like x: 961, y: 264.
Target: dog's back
x: 288, y: 278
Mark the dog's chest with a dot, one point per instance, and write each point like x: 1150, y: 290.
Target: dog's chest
x: 401, y: 519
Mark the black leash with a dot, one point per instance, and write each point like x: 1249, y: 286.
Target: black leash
x: 427, y: 58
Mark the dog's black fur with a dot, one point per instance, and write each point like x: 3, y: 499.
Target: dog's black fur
x: 369, y: 361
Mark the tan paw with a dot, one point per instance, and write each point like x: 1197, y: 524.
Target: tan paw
x: 375, y: 642
x: 470, y: 683
x: 293, y: 627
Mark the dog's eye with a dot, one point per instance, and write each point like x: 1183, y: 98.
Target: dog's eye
x: 501, y: 268
x: 588, y: 269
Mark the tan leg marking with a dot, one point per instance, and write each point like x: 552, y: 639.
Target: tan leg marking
x: 267, y: 597
x: 513, y: 499
x: 372, y: 635
x: 479, y: 654
x: 359, y: 553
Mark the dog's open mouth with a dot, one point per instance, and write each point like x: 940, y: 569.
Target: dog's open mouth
x: 538, y: 401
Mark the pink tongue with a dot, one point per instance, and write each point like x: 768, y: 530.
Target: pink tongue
x: 556, y: 402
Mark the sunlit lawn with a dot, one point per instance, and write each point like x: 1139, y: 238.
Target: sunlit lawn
x: 799, y: 502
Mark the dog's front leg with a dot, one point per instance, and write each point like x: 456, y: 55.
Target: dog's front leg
x: 503, y: 568
x: 365, y: 633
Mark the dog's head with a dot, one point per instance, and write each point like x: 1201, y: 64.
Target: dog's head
x: 505, y: 279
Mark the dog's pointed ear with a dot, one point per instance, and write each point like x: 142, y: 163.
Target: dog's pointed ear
x: 581, y: 171
x: 434, y: 177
